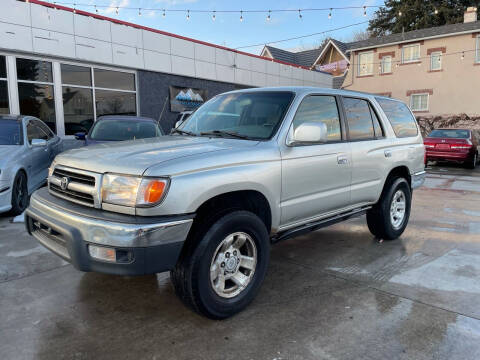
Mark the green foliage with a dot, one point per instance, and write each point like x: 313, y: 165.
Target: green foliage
x: 417, y: 14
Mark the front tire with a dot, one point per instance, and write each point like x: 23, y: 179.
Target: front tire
x: 389, y: 217
x: 222, y: 267
x: 19, y: 194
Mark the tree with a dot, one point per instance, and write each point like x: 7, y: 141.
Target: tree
x: 405, y: 15
x: 360, y: 35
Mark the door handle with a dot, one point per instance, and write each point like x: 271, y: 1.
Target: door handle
x: 342, y: 160
x: 388, y: 153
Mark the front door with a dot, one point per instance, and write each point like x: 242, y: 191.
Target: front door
x: 316, y: 177
x: 37, y: 169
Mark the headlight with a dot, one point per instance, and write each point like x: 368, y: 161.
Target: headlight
x: 132, y: 190
x: 50, y: 169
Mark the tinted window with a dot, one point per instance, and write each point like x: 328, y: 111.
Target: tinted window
x: 376, y: 124
x: 76, y: 75
x: 252, y: 114
x: 77, y: 109
x: 34, y: 132
x: 4, y: 105
x: 11, y: 132
x: 321, y: 109
x: 44, y: 128
x: 118, y: 130
x: 450, y: 133
x: 114, y: 80
x: 402, y: 120
x: 115, y: 103
x: 38, y: 100
x: 34, y: 70
x: 359, y: 119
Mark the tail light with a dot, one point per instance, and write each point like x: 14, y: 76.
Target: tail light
x: 429, y: 145
x: 464, y: 145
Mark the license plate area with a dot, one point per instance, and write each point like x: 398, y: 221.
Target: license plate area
x: 442, y: 146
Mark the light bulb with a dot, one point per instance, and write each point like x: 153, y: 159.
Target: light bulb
x: 139, y: 12
x: 163, y: 15
x: 364, y: 11
x: 116, y: 10
x: 188, y: 14
x: 330, y: 14
x: 268, y: 16
x: 241, y: 16
x: 213, y: 16
x: 299, y: 14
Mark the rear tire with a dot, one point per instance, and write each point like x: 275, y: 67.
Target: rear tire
x: 223, y: 265
x: 472, y: 163
x: 19, y: 194
x: 389, y: 217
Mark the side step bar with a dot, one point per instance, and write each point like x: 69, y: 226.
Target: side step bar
x: 309, y: 227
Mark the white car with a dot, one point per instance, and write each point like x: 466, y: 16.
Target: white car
x: 27, y: 148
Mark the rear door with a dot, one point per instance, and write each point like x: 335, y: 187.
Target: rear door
x: 370, y: 149
x: 316, y: 177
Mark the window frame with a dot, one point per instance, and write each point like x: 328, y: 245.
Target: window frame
x: 343, y: 129
x: 382, y: 63
x: 371, y: 106
x: 7, y: 82
x: 360, y: 65
x: 420, y: 94
x: 432, y: 56
x: 411, y: 46
x: 477, y: 50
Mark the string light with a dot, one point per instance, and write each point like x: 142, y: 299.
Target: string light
x: 399, y: 13
x: 436, y: 11
x: 241, y: 15
x: 139, y: 12
x: 268, y: 16
x: 163, y: 15
x: 300, y: 14
x: 116, y: 10
x: 74, y: 10
x: 213, y: 15
x: 96, y: 10
x: 188, y: 14
x: 330, y: 14
x: 463, y: 55
x: 364, y: 11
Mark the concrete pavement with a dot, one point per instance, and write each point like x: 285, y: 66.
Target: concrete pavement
x: 334, y: 294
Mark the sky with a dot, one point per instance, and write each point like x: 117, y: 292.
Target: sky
x: 228, y: 30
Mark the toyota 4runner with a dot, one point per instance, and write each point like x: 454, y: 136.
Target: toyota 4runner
x: 247, y: 169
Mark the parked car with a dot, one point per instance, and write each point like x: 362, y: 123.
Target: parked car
x: 247, y: 169
x: 120, y: 128
x: 452, y: 145
x: 181, y: 117
x: 27, y: 147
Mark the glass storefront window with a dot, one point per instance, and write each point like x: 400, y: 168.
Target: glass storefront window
x: 34, y: 70
x: 114, y: 80
x: 38, y: 100
x: 76, y: 75
x: 4, y: 101
x: 3, y: 67
x: 77, y: 109
x: 115, y: 103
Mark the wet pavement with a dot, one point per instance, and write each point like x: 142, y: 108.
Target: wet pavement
x: 333, y: 294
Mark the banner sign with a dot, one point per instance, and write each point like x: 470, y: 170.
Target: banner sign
x: 182, y: 99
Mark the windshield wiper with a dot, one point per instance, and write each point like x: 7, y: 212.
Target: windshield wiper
x: 223, y: 133
x: 183, y: 132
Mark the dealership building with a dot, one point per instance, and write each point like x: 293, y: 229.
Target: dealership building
x: 68, y: 67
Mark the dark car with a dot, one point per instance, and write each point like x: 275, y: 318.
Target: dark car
x: 120, y: 128
x: 452, y: 145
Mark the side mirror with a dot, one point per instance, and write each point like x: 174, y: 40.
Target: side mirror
x: 39, y: 142
x: 80, y: 136
x: 309, y: 132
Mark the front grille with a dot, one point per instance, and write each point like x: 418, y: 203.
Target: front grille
x: 50, y: 238
x: 79, y: 178
x: 78, y: 186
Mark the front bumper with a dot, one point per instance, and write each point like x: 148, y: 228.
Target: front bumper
x: 5, y: 195
x: 418, y: 179
x: 153, y: 244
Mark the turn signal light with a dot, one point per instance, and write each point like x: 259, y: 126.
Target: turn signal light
x: 154, y: 191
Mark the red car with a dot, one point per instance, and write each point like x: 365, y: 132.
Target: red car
x: 453, y: 145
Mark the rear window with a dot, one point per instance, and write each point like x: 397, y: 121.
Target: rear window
x: 402, y: 120
x: 450, y: 133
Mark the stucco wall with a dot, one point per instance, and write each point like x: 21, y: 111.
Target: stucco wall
x: 456, y: 89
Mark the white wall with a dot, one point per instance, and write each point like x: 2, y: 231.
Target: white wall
x: 41, y: 30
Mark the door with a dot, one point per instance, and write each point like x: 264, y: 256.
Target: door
x: 370, y: 150
x: 37, y: 169
x: 54, y: 143
x: 316, y: 177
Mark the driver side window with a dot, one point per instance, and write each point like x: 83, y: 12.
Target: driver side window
x: 34, y: 132
x: 320, y: 108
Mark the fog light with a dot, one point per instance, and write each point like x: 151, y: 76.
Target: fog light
x: 102, y: 253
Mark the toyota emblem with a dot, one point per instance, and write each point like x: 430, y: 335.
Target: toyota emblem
x: 64, y: 183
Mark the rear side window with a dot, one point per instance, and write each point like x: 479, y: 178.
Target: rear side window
x: 320, y: 108
x: 359, y: 119
x: 402, y: 120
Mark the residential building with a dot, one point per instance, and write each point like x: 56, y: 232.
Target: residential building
x: 435, y: 70
x: 70, y: 67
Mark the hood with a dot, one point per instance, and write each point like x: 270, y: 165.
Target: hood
x: 9, y: 152
x: 136, y: 156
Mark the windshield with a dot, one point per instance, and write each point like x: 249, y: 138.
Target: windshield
x: 252, y: 115
x: 119, y: 130
x: 11, y: 132
x: 453, y: 134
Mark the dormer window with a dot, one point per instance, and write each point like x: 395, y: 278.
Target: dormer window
x: 410, y: 53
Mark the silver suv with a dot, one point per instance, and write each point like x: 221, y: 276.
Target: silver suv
x: 249, y: 168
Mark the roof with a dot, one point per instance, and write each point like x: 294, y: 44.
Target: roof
x: 11, y: 117
x: 338, y: 81
x: 304, y: 58
x: 413, y: 35
x: 125, y: 117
